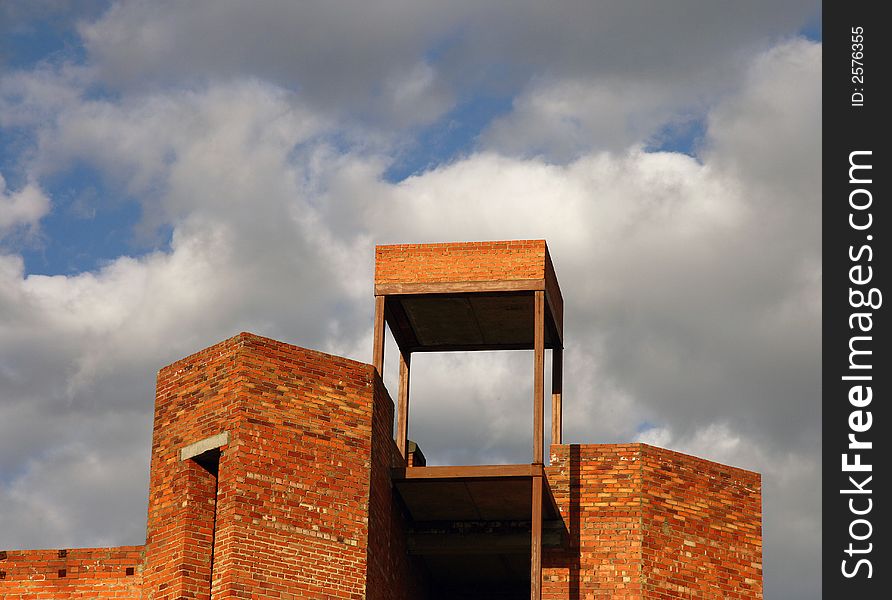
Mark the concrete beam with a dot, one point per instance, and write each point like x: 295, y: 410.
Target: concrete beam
x: 200, y: 447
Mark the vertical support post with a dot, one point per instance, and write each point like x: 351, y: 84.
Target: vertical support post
x: 539, y: 377
x: 402, y: 415
x: 378, y: 337
x: 557, y: 383
x: 536, y: 554
x: 538, y: 442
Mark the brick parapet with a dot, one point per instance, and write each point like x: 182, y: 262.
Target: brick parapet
x: 294, y: 478
x: 76, y: 573
x: 460, y: 261
x: 702, y: 528
x: 650, y: 523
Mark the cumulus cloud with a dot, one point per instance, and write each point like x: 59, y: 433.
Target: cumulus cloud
x: 565, y: 118
x: 31, y: 98
x: 338, y: 54
x: 789, y: 525
x: 761, y: 137
x: 692, y: 283
x: 22, y: 208
x: 93, y: 476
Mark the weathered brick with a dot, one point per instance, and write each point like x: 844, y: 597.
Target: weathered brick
x: 650, y: 523
x: 295, y: 500
x: 461, y: 261
x: 89, y: 573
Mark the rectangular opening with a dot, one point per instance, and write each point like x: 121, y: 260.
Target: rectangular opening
x: 202, y: 474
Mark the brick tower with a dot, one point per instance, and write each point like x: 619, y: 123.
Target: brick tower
x: 274, y: 473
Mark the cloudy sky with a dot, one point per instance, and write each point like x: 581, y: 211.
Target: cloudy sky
x: 172, y: 173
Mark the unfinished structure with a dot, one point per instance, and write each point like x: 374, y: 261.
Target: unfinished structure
x: 275, y: 473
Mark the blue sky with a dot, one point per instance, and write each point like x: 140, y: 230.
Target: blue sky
x: 174, y: 173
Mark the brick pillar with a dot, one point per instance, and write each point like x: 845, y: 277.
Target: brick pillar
x: 194, y: 400
x: 294, y: 430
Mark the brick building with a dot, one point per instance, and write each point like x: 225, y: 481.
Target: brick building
x: 275, y: 473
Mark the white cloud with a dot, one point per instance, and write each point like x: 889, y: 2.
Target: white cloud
x: 338, y: 56
x: 22, y: 208
x: 566, y: 118
x: 346, y: 56
x: 791, y: 502
x: 761, y: 132
x: 689, y: 306
x: 72, y: 482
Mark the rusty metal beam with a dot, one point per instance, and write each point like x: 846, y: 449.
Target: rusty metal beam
x: 539, y: 378
x: 557, y: 386
x: 476, y: 287
x: 538, y: 443
x: 536, y: 542
x: 402, y: 416
x: 467, y: 472
x: 378, y: 337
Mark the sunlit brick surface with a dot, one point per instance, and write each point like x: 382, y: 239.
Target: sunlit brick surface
x: 81, y: 573
x: 650, y: 523
x: 460, y: 261
x: 301, y: 505
x: 292, y: 504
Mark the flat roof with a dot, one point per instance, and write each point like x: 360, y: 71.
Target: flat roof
x: 467, y: 296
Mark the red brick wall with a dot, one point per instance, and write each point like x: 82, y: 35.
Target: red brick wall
x: 392, y: 573
x: 650, y: 523
x: 195, y: 398
x: 598, y: 490
x: 702, y: 528
x: 460, y: 261
x: 294, y: 480
x: 299, y: 516
x: 80, y: 573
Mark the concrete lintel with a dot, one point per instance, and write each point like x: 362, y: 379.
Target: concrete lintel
x: 200, y: 447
